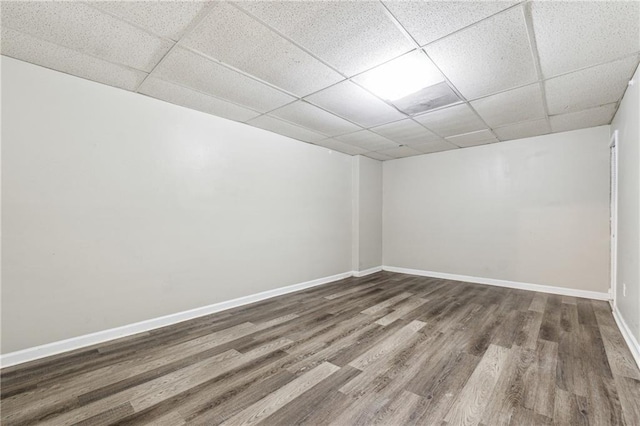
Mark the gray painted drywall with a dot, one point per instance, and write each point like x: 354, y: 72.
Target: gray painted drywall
x: 534, y: 210
x: 118, y: 208
x: 628, y: 271
x: 367, y: 208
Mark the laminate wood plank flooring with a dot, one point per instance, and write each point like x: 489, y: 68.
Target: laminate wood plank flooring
x: 386, y: 349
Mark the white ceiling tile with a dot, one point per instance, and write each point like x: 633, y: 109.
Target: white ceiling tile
x: 589, y: 87
x: 472, y: 139
x: 168, y: 19
x: 428, y: 21
x: 285, y: 128
x: 513, y: 106
x: 87, y: 30
x: 523, y: 130
x: 488, y: 57
x: 341, y: 147
x: 189, y: 98
x: 452, y: 120
x: 378, y: 156
x: 314, y: 118
x: 29, y: 49
x: 352, y: 36
x: 576, y: 34
x: 192, y: 70
x: 406, y: 132
x: 400, y: 152
x: 431, y: 147
x: 233, y: 37
x: 356, y: 104
x: 367, y: 140
x: 581, y: 119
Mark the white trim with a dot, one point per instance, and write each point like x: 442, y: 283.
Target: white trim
x: 367, y: 271
x: 634, y: 347
x: 613, y: 218
x: 503, y: 283
x: 73, y: 343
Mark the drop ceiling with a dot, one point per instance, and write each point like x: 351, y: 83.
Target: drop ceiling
x: 503, y: 69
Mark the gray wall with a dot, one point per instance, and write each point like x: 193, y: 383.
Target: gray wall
x: 534, y: 210
x: 367, y: 225
x: 628, y: 271
x: 118, y: 208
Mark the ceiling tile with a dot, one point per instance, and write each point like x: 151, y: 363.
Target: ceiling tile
x: 192, y: 70
x: 189, y: 98
x: 233, y: 37
x: 367, y: 140
x: 406, y: 132
x: 443, y: 17
x: 581, y: 119
x: 287, y: 129
x: 472, y: 139
x: 341, y: 147
x: 400, y: 152
x: 523, y: 130
x: 431, y: 147
x: 452, y: 120
x: 488, y: 57
x: 576, y: 34
x: 356, y: 104
x: 352, y: 36
x: 513, y: 106
x: 378, y: 156
x: 589, y: 87
x: 87, y: 30
x: 311, y: 117
x: 29, y: 49
x: 168, y: 19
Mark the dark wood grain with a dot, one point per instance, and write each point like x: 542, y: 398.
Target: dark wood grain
x: 386, y: 349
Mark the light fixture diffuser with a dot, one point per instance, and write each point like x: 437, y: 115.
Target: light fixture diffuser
x: 401, y: 77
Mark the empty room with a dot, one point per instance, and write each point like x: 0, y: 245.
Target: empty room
x: 320, y: 213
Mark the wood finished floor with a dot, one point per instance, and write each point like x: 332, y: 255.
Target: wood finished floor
x: 386, y: 349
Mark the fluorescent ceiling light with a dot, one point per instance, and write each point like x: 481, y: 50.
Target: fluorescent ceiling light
x: 401, y: 77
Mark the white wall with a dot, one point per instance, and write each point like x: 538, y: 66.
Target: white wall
x: 534, y: 210
x: 119, y: 208
x: 628, y: 271
x: 367, y: 209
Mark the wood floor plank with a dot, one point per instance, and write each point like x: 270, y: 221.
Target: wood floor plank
x: 407, y: 306
x: 567, y: 409
x: 387, y: 346
x: 400, y: 411
x: 270, y: 404
x: 387, y: 303
x: 629, y: 394
x: 539, y: 302
x: 388, y: 349
x: 311, y: 407
x: 470, y: 404
x: 44, y: 400
x: 540, y: 394
x: 618, y: 354
x: 509, y: 391
x: 240, y: 401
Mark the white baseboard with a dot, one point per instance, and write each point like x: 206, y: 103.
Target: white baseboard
x: 54, y: 348
x: 503, y: 283
x: 367, y: 271
x: 633, y: 344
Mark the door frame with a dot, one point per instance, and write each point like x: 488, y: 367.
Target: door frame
x: 613, y: 214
